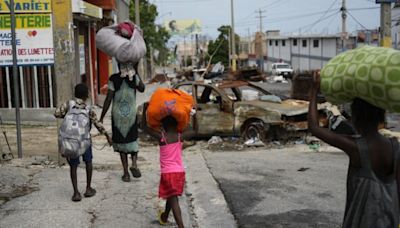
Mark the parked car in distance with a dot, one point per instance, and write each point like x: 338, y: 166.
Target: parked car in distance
x: 282, y: 69
x: 241, y: 108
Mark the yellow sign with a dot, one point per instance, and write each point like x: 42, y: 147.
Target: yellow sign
x: 26, y: 21
x: 26, y: 6
x: 92, y: 10
x: 82, y: 7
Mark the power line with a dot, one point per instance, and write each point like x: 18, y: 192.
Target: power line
x: 355, y: 19
x: 316, y: 22
x: 330, y: 7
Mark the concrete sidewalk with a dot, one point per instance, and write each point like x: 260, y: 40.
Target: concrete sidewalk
x: 35, y: 193
x: 116, y: 204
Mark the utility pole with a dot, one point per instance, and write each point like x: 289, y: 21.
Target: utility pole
x: 249, y: 41
x: 230, y: 46
x: 137, y: 22
x: 344, y: 29
x: 260, y: 16
x: 15, y: 78
x: 233, y: 37
x: 261, y: 40
x: 137, y: 13
x: 386, y: 25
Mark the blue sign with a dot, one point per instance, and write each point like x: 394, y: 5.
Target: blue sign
x: 387, y: 1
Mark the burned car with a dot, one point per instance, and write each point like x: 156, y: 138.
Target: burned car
x: 241, y: 108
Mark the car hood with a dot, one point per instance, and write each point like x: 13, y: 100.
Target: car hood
x: 288, y: 107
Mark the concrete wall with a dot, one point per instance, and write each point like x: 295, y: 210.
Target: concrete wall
x: 38, y: 116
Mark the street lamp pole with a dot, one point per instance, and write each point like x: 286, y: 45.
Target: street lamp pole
x: 233, y: 40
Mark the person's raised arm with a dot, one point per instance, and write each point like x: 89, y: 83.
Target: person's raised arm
x: 107, y: 103
x: 153, y: 133
x: 139, y: 83
x: 342, y: 142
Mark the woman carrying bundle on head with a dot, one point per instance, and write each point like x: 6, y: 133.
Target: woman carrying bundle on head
x: 374, y: 173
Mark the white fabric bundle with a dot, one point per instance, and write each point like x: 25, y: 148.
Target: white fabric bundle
x: 124, y: 50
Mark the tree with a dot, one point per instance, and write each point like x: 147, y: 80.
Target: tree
x: 154, y: 35
x: 221, y: 46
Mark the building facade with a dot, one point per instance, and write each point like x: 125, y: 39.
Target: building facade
x: 305, y: 52
x: 73, y: 26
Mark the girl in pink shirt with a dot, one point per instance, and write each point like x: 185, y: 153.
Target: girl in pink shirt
x: 172, y: 178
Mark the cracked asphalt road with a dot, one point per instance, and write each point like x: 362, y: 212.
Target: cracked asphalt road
x: 264, y: 188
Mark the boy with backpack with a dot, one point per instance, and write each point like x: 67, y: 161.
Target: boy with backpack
x: 74, y: 137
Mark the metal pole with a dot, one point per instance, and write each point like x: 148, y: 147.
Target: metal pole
x: 15, y: 78
x: 137, y: 13
x: 260, y: 51
x: 344, y: 29
x: 386, y: 25
x: 233, y: 37
x: 230, y: 47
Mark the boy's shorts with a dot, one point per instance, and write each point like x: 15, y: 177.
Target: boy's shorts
x: 87, y: 157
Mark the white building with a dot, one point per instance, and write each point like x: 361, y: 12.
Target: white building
x: 396, y: 26
x: 305, y: 52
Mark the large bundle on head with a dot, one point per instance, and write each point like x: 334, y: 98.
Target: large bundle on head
x: 169, y: 102
x: 369, y: 73
x: 123, y: 41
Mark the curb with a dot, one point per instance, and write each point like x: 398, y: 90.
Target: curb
x: 209, y: 206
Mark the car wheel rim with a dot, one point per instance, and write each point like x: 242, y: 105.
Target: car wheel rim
x: 253, y: 133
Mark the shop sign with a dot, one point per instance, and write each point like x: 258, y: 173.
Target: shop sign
x: 34, y: 39
x: 26, y: 6
x: 85, y: 8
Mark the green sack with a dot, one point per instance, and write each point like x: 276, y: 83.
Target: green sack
x: 369, y: 73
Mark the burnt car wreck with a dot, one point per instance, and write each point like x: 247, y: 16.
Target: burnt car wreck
x: 240, y: 108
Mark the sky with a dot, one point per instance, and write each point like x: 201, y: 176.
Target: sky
x: 288, y: 16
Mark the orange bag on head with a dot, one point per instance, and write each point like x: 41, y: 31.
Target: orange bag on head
x: 169, y: 102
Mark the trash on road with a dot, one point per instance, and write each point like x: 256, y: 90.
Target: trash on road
x: 303, y: 169
x: 215, y: 140
x: 254, y: 142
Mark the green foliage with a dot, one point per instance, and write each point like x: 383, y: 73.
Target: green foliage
x: 222, y: 54
x: 155, y: 36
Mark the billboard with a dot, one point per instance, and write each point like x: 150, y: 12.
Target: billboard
x: 183, y: 27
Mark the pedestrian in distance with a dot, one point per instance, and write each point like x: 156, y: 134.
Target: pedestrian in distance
x: 74, y: 137
x: 172, y: 178
x: 121, y: 93
x: 373, y: 180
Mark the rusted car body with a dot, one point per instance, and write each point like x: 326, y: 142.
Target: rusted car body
x: 222, y: 109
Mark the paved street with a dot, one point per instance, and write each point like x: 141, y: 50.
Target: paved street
x: 264, y: 188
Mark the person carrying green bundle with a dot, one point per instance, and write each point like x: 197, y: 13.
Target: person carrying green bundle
x: 373, y: 180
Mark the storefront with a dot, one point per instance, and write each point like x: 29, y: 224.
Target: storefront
x: 86, y: 17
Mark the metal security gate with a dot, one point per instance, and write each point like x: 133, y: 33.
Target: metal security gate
x: 36, y: 87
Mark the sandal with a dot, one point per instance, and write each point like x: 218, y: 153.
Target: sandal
x: 160, y: 213
x: 76, y: 198
x: 89, y: 193
x: 135, y: 172
x: 126, y: 178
